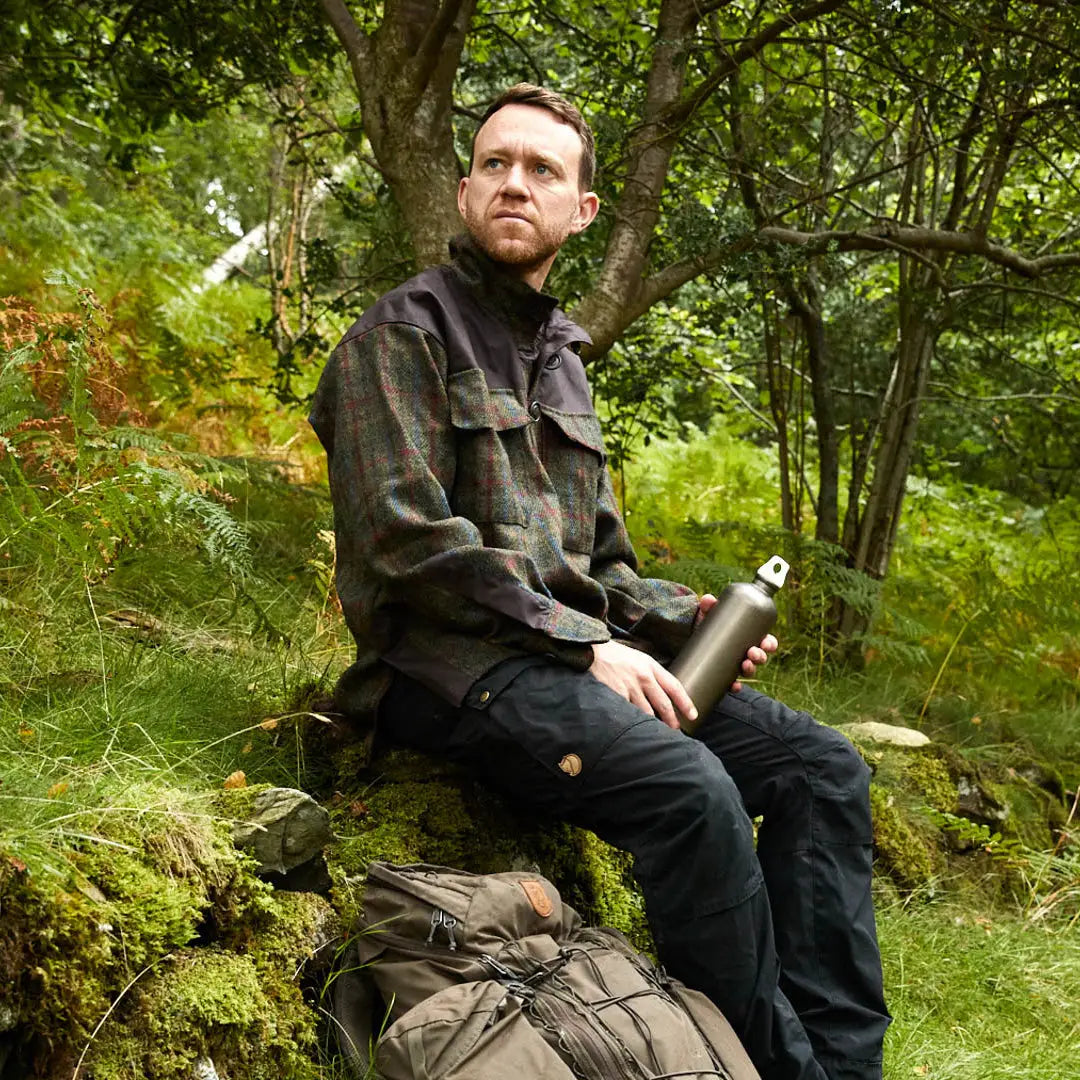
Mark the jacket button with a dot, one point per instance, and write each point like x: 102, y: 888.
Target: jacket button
x: 534, y: 410
x: 552, y: 362
x: 485, y: 695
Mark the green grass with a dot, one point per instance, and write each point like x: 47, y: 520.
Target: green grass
x: 147, y: 631
x: 977, y: 643
x: 150, y: 666
x: 978, y: 993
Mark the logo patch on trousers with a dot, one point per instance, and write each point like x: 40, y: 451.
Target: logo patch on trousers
x: 570, y: 764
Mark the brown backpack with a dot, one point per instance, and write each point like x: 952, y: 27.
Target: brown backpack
x: 493, y: 977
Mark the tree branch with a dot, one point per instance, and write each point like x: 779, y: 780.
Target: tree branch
x: 920, y: 239
x: 427, y: 56
x: 997, y: 286
x: 353, y: 40
x: 905, y: 240
x: 684, y: 109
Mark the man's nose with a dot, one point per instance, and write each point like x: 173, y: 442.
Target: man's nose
x: 514, y: 181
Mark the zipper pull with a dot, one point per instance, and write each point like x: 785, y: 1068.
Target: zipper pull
x: 436, y: 922
x: 501, y: 970
x: 447, y: 922
x: 450, y: 922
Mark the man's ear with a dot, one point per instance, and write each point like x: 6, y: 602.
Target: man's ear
x: 588, y: 205
x: 461, y: 195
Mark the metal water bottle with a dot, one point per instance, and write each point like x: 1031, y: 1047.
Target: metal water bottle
x: 712, y: 659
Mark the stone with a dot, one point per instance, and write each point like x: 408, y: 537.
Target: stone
x: 890, y: 734
x: 204, y: 1069
x: 977, y: 802
x: 286, y: 828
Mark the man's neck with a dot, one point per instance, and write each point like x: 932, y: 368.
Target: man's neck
x: 501, y: 287
x: 534, y: 274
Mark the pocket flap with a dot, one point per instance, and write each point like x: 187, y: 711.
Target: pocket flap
x: 583, y: 428
x: 488, y: 909
x: 474, y: 1031
x: 475, y: 407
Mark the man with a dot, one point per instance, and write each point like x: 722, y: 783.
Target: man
x: 488, y: 579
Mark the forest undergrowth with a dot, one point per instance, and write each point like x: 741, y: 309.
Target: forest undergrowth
x: 166, y: 613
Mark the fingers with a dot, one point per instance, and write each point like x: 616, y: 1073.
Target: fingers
x: 705, y: 604
x: 660, y: 694
x: 637, y: 696
x: 660, y: 705
x: 642, y: 681
x: 757, y: 655
x: 675, y: 697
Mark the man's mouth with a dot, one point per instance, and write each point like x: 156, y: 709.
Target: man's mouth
x: 510, y: 215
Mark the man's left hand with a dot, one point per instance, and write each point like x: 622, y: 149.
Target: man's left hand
x: 756, y: 655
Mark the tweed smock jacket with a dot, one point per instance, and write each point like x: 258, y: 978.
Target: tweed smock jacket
x: 474, y: 516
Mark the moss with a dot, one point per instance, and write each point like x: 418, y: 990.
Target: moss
x: 238, y: 804
x: 902, y: 849
x: 425, y: 811
x: 208, y: 1003
x: 422, y: 810
x: 72, y: 939
x: 1031, y: 813
x: 296, y: 926
x: 926, y: 775
x: 607, y: 894
x: 151, y: 911
x: 57, y: 962
x: 403, y: 822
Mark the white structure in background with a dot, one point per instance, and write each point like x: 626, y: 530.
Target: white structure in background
x: 234, y: 258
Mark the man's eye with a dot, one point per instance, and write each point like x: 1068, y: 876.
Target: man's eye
x: 492, y: 163
x: 542, y: 169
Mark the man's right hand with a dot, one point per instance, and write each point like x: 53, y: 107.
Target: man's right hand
x: 636, y: 676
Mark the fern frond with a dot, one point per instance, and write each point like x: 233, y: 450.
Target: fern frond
x: 17, y: 402
x: 224, y: 540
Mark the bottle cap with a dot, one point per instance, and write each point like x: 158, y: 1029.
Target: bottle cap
x: 774, y: 572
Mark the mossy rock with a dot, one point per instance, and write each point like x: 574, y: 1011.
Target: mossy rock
x: 103, y: 927
x: 408, y: 807
x: 905, y: 847
x: 208, y: 1003
x: 1016, y: 795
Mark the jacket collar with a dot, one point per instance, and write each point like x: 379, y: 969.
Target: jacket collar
x: 525, y: 310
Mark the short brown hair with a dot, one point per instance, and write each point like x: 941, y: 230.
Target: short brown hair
x: 527, y: 94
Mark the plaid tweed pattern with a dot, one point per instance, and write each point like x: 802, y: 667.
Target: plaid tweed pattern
x: 474, y: 515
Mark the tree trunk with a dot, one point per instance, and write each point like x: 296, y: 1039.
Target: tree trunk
x: 404, y: 73
x: 871, y: 537
x: 808, y: 308
x: 604, y: 311
x: 778, y: 406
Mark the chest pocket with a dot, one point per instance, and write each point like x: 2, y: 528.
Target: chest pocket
x: 573, y: 457
x: 492, y: 455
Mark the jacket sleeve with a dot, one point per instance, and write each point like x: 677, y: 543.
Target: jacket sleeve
x: 659, y: 612
x: 391, y: 447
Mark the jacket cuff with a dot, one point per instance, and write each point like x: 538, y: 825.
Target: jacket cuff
x: 565, y: 624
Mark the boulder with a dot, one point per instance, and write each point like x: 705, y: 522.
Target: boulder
x: 285, y: 829
x: 204, y: 1069
x: 889, y: 734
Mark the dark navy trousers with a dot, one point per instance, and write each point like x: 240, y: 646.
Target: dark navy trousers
x: 780, y: 935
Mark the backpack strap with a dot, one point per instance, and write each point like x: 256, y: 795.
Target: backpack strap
x: 354, y: 1001
x: 414, y: 1041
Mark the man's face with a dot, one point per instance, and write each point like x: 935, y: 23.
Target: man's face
x: 521, y: 200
